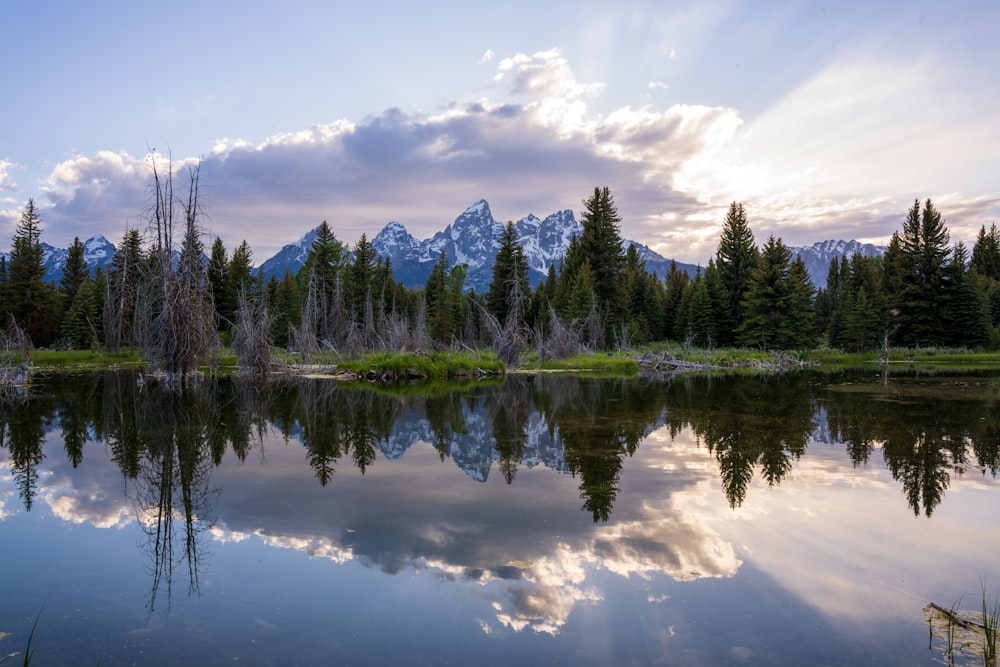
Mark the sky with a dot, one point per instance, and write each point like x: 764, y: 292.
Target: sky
x: 827, y: 120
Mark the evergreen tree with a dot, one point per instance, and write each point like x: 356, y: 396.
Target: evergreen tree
x: 30, y: 300
x: 218, y: 267
x: 696, y: 323
x: 125, y: 275
x: 918, y: 299
x: 767, y: 302
x: 859, y: 321
x: 286, y: 309
x: 581, y: 296
x: 677, y: 280
x: 510, y: 275
x: 319, y: 281
x: 966, y: 311
x: 323, y: 263
x: 239, y: 278
x: 736, y: 258
x: 4, y: 278
x: 440, y: 304
x: 360, y: 274
x: 986, y: 253
x: 75, y: 272
x: 828, y: 299
x: 561, y: 288
x: 78, y: 301
x: 986, y: 267
x: 802, y: 303
x: 81, y: 321
x: 601, y: 245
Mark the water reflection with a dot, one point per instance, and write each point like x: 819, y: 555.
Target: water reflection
x: 168, y: 446
x: 585, y: 427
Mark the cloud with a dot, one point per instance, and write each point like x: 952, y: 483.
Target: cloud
x: 7, y: 183
x: 487, y: 56
x: 823, y: 162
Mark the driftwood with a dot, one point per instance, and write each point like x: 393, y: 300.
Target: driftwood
x: 955, y: 618
x: 666, y: 362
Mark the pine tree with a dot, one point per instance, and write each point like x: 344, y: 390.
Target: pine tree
x: 561, y: 288
x: 440, y: 309
x: 77, y: 295
x: 240, y: 279
x: 321, y: 288
x: 510, y: 276
x: 125, y: 275
x: 860, y: 315
x: 30, y: 300
x: 965, y: 315
x: 601, y: 245
x: 81, y: 319
x: 919, y: 272
x: 696, y: 322
x: 986, y: 253
x: 218, y: 265
x: 677, y: 280
x: 801, y: 329
x: 767, y: 303
x: 360, y: 274
x: 736, y: 258
x: 75, y: 272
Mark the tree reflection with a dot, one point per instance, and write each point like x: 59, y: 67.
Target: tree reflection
x: 923, y: 445
x: 746, y: 423
x: 22, y: 428
x: 599, y: 423
x: 336, y: 423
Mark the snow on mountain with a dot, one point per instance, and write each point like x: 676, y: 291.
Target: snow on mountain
x: 817, y: 257
x: 97, y: 251
x: 290, y: 258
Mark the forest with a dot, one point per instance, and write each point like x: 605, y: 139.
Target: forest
x: 165, y: 295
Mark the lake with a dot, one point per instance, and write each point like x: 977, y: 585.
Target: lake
x: 803, y: 519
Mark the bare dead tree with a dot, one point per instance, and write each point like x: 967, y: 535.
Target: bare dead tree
x: 512, y: 338
x: 593, y: 327
x: 562, y: 340
x: 252, y: 336
x: 420, y: 338
x: 395, y: 330
x: 178, y: 317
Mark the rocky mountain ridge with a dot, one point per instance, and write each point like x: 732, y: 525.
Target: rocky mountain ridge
x: 473, y: 239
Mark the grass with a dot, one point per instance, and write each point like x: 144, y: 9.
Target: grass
x: 83, y: 358
x: 616, y: 364
x: 969, y: 636
x: 602, y: 363
x: 29, y: 649
x: 991, y: 624
x: 438, y: 365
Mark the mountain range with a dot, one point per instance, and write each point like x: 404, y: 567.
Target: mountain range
x: 473, y: 239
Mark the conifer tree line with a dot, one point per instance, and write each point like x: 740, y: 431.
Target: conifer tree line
x: 178, y: 303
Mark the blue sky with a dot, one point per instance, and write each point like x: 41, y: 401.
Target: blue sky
x: 826, y: 119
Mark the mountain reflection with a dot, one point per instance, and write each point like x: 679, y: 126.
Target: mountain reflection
x: 564, y: 433
x: 584, y: 427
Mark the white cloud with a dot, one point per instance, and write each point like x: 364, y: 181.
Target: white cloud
x: 487, y: 56
x: 830, y: 160
x: 6, y: 181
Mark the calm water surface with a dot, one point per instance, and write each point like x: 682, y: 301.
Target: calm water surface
x: 797, y: 520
